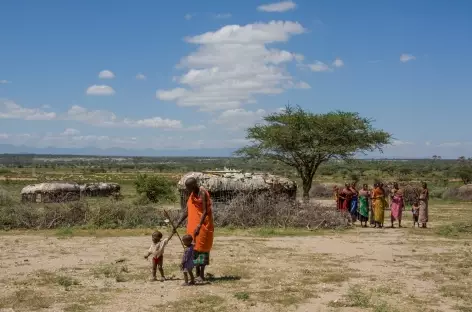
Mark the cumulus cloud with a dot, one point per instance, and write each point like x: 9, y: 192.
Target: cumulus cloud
x: 70, y: 132
x: 4, y: 81
x: 103, y: 118
x: 237, y: 119
x: 338, y: 63
x: 233, y: 64
x: 318, y: 66
x: 99, y: 118
x: 277, y: 7
x: 406, y: 58
x: 106, y: 74
x: 11, y: 110
x: 141, y: 77
x: 100, y: 90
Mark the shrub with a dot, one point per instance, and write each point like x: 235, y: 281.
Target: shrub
x: 266, y: 210
x: 157, y: 189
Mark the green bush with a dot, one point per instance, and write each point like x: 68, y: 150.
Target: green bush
x: 157, y: 189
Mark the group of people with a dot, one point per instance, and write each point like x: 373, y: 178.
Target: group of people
x: 368, y: 206
x: 197, y: 242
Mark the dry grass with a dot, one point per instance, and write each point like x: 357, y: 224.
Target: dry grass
x: 261, y: 269
x: 200, y: 303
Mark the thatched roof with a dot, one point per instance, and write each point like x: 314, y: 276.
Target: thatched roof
x: 50, y: 188
x: 100, y: 186
x: 236, y: 181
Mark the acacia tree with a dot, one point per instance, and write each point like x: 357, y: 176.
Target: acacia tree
x: 304, y: 140
x: 464, y: 169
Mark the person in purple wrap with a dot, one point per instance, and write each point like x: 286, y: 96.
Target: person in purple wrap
x: 187, y: 260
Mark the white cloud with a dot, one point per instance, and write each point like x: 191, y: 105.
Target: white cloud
x: 277, y: 7
x: 428, y: 143
x: 3, y: 81
x: 400, y: 143
x: 237, y: 119
x: 10, y: 110
x: 141, y: 77
x: 70, y: 132
x: 338, y: 63
x: 99, y: 118
x: 106, y: 74
x: 103, y: 118
x: 100, y: 90
x: 406, y: 58
x: 189, y: 16
x: 297, y: 85
x: 299, y: 57
x: 233, y: 64
x: 173, y: 141
x: 318, y: 66
x: 222, y: 15
x: 274, y: 31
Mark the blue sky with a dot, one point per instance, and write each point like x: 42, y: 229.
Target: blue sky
x: 195, y: 74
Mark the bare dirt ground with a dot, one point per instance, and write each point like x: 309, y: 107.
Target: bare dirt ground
x: 357, y: 270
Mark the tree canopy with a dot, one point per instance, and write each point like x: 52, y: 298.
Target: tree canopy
x: 304, y: 140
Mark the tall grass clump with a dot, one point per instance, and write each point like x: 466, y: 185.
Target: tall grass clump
x: 267, y: 210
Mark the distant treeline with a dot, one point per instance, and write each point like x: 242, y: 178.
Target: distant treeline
x: 400, y: 169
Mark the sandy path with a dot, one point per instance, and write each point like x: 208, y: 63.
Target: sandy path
x: 259, y: 274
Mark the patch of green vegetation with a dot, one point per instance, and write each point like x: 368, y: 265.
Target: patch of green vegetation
x: 241, y: 296
x: 75, y: 308
x: 455, y: 230
x: 382, y: 306
x: 387, y: 290
x: 64, y: 232
x: 286, y: 296
x: 356, y: 297
x: 66, y: 281
x: 26, y: 300
x: 334, y: 277
x: 200, y: 303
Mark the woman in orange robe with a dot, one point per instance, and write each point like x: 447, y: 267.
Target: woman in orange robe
x: 199, y: 225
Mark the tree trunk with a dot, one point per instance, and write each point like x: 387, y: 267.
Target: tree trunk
x: 306, y: 188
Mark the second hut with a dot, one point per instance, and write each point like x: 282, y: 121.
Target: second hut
x: 223, y: 187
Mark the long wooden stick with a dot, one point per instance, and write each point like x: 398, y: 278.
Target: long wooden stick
x: 174, y: 229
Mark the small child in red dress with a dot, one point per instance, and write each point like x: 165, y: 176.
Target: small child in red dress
x: 157, y: 252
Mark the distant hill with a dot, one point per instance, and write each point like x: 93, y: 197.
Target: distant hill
x: 93, y: 151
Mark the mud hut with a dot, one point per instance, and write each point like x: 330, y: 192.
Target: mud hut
x: 225, y: 186
x: 99, y: 189
x: 50, y: 192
